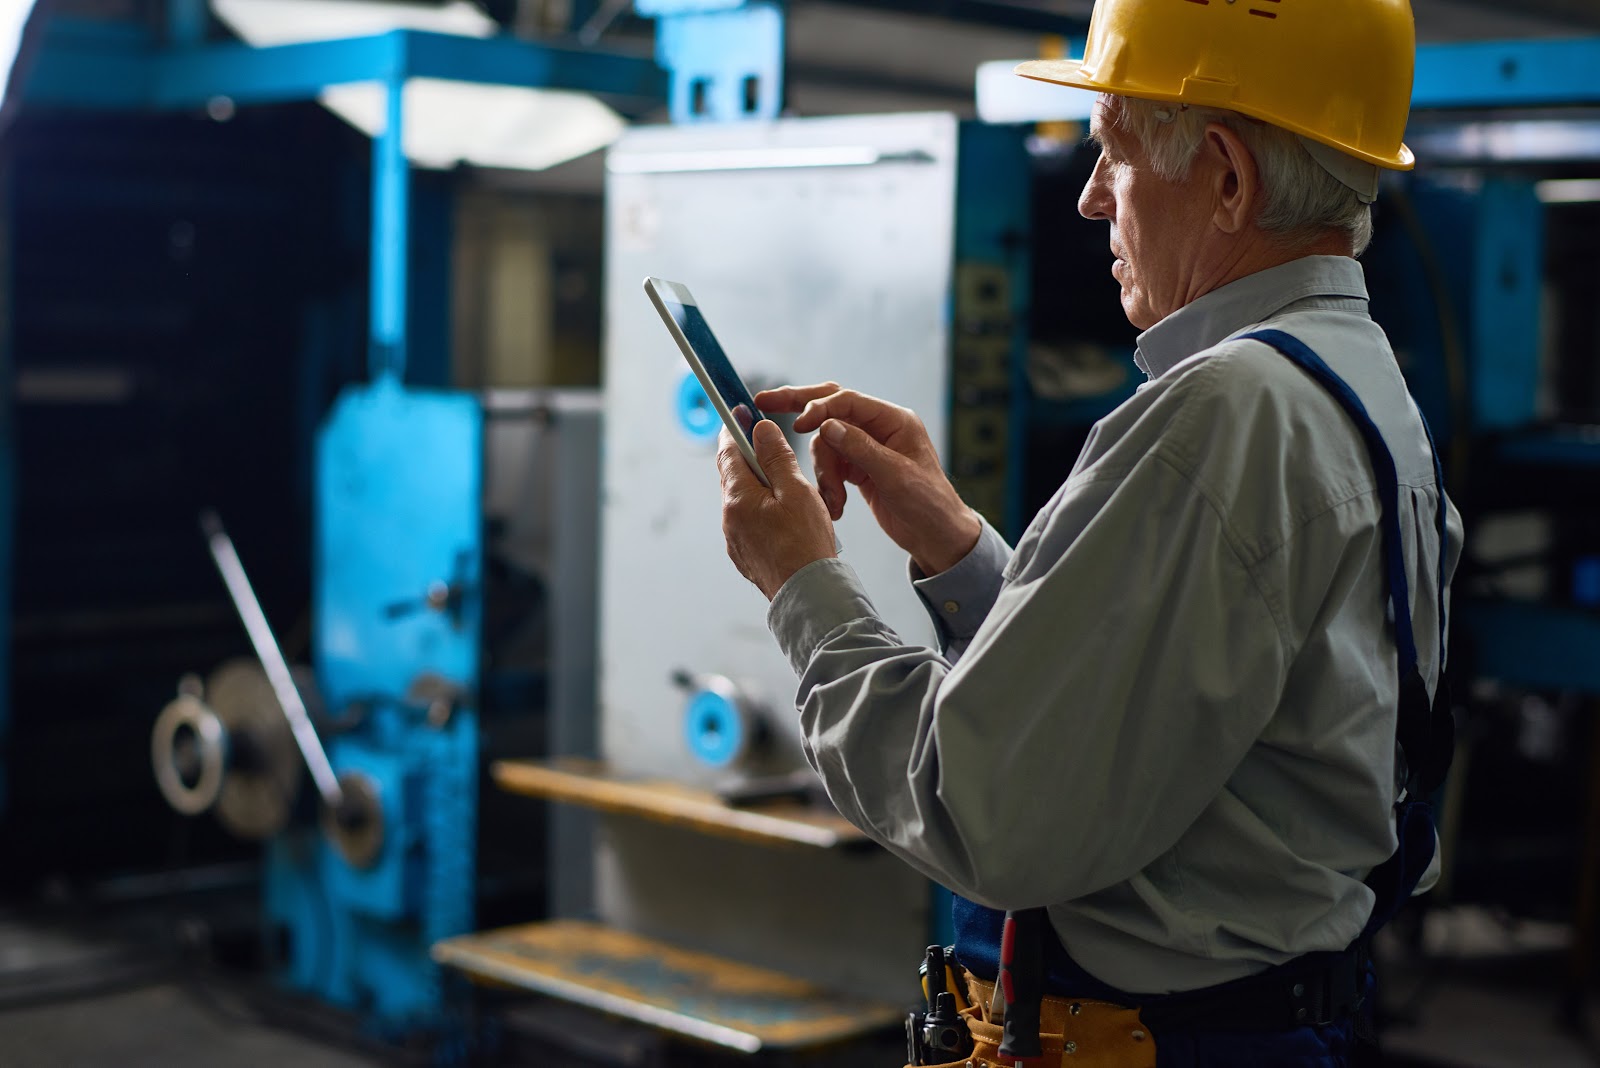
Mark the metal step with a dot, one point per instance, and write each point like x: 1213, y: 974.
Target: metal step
x: 696, y: 995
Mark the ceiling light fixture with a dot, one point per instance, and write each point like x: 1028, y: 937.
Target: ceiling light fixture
x: 1005, y: 98
x: 1569, y: 191
x: 446, y: 122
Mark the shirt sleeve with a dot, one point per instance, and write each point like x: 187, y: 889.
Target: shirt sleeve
x: 959, y: 599
x: 1116, y: 682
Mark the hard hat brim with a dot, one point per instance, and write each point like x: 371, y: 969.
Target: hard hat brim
x: 1070, y: 72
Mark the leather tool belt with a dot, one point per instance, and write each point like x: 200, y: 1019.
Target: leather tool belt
x: 1315, y: 990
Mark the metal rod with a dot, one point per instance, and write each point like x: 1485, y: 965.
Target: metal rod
x: 391, y: 220
x: 271, y: 657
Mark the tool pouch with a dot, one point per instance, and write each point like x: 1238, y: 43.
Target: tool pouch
x: 1074, y: 1034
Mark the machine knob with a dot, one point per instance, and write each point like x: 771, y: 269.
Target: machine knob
x: 723, y: 727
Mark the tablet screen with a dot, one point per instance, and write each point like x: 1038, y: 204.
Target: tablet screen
x: 726, y: 380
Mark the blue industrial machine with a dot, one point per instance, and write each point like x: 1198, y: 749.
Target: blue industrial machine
x: 365, y: 872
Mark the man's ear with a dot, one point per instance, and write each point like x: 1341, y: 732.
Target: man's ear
x: 1236, y: 180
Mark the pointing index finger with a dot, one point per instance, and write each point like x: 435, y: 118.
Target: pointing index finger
x: 877, y: 417
x: 787, y: 399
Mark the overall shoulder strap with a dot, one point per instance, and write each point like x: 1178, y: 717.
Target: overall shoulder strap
x: 1426, y: 732
x: 1425, y: 729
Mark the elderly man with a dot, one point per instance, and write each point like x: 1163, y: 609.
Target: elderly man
x: 1169, y: 716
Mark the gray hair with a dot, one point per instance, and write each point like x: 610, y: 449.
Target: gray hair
x: 1303, y: 200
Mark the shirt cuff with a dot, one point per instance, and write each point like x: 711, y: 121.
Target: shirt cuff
x: 959, y: 599
x: 816, y: 601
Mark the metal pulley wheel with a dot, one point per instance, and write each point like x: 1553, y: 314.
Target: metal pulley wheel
x: 189, y: 752
x: 227, y: 748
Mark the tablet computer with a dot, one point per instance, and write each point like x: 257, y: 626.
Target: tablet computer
x: 727, y: 391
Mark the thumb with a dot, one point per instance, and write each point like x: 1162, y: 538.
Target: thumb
x: 777, y: 459
x: 861, y: 448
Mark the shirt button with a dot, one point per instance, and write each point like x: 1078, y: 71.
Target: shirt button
x: 952, y: 607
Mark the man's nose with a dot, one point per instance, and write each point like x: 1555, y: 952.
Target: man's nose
x: 1096, y: 202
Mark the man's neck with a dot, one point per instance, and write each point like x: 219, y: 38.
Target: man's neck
x: 1261, y: 253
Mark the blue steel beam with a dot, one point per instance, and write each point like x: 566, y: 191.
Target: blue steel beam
x: 280, y: 74
x: 1508, y: 74
x: 508, y: 61
x: 186, y: 22
x: 80, y: 72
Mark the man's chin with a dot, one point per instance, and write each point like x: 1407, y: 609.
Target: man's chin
x: 1137, y: 312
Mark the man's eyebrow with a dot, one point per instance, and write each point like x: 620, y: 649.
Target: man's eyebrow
x: 1096, y: 134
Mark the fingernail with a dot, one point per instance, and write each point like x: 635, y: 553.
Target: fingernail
x: 833, y: 430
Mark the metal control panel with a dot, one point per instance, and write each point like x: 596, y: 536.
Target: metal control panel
x: 818, y: 250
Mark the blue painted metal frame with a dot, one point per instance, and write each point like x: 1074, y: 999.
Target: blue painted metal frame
x: 993, y: 218
x: 391, y: 245
x: 80, y: 68
x: 1506, y: 313
x: 993, y: 215
x: 717, y: 50
x: 1508, y: 74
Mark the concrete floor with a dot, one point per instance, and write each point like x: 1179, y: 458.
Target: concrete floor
x: 1486, y: 994
x: 159, y: 1026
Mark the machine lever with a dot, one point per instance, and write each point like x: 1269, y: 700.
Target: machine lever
x: 272, y: 661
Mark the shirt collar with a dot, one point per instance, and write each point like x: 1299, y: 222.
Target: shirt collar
x: 1253, y: 299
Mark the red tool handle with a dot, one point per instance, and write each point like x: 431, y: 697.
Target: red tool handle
x: 1022, y: 982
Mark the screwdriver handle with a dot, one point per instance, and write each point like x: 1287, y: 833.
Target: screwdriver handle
x: 1022, y: 982
x: 932, y: 975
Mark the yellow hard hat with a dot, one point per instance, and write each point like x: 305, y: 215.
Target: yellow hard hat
x: 1336, y: 71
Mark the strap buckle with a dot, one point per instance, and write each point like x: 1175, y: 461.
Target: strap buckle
x: 1328, y: 994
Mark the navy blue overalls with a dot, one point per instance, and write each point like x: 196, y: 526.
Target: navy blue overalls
x: 1281, y: 1030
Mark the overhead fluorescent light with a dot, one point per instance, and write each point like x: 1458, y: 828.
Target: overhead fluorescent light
x: 446, y: 122
x: 485, y: 125
x: 14, y: 16
x: 749, y: 159
x: 277, y: 22
x: 1569, y: 191
x: 1508, y: 141
x: 1003, y: 97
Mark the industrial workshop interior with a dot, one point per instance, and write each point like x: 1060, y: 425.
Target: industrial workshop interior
x: 659, y: 533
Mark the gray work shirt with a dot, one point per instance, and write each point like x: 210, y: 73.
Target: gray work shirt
x: 1169, y: 712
